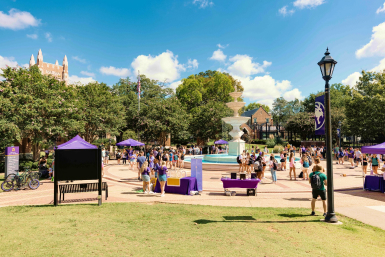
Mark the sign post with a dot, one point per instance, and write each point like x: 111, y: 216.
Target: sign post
x: 11, y: 160
x: 196, y: 172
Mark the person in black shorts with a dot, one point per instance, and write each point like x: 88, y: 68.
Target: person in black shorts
x: 319, y: 190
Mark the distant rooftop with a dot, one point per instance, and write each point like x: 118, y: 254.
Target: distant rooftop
x: 250, y: 113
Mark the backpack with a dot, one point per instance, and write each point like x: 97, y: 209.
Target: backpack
x: 341, y: 154
x: 238, y: 159
x: 164, y: 158
x: 301, y: 174
x: 257, y: 166
x: 316, y: 181
x: 310, y: 161
x: 274, y: 166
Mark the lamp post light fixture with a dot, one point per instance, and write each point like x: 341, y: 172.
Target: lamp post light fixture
x: 327, y: 65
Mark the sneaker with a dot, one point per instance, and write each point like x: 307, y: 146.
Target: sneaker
x: 325, y: 214
x: 162, y: 195
x: 151, y: 193
x: 312, y: 213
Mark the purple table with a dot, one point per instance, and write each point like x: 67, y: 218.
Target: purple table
x: 237, y: 183
x: 187, y: 184
x: 374, y: 183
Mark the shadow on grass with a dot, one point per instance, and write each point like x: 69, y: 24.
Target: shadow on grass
x: 203, y: 221
x: 293, y: 215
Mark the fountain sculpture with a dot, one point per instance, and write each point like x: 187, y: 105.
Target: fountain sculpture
x: 236, y: 145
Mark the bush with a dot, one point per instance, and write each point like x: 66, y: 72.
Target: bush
x: 279, y: 141
x: 259, y: 141
x: 270, y: 143
x: 278, y: 149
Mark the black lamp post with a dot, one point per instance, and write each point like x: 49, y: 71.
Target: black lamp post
x: 327, y: 65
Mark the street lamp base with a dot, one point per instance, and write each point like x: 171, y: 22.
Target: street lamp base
x: 331, y: 217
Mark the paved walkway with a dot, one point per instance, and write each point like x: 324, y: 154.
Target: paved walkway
x: 350, y: 199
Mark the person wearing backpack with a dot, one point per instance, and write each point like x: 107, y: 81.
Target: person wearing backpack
x: 273, y: 168
x: 318, y: 181
x: 341, y: 156
x: 258, y: 167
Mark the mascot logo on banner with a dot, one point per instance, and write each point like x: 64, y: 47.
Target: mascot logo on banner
x: 319, y: 116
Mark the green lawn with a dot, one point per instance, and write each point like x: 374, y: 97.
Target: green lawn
x: 134, y: 229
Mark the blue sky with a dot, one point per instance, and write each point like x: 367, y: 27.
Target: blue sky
x: 272, y: 47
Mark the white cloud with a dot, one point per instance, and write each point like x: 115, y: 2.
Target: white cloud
x: 352, y: 79
x: 163, y: 67
x: 119, y: 72
x: 222, y: 46
x: 218, y: 55
x: 380, y: 67
x: 17, y: 20
x: 381, y: 9
x: 192, y: 64
x: 293, y: 94
x: 10, y: 61
x: 175, y: 84
x: 265, y: 89
x: 79, y: 59
x: 284, y: 11
x: 86, y: 73
x: 308, y: 3
x: 79, y: 81
x: 376, y: 46
x: 48, y: 36
x: 243, y: 65
x: 25, y: 65
x: 33, y: 36
x: 203, y: 3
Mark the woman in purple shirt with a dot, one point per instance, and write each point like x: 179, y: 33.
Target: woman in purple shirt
x: 145, y: 170
x: 162, y: 176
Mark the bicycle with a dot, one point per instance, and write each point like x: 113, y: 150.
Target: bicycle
x: 17, y: 182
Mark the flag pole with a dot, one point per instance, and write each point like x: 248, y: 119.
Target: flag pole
x: 138, y: 98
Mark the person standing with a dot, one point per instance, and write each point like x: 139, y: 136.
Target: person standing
x: 124, y: 156
x: 239, y: 160
x: 318, y: 181
x: 375, y: 163
x: 358, y: 155
x: 273, y: 168
x: 341, y: 155
x: 133, y: 159
x: 103, y: 155
x: 283, y: 163
x: 141, y: 160
x: 351, y: 157
x: 263, y: 159
x: 305, y: 167
x: 364, y: 163
x: 162, y: 177
x: 118, y: 156
x: 107, y: 157
x: 152, y: 158
x: 292, y: 166
x: 145, y: 171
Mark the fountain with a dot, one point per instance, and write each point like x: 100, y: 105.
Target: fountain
x: 237, y: 145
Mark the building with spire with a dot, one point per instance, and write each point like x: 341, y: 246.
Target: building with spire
x: 58, y: 71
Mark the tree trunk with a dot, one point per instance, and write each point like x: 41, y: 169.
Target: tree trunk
x: 36, y: 151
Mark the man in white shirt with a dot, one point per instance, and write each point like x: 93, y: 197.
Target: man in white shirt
x: 358, y: 157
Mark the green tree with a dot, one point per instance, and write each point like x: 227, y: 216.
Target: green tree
x: 301, y: 123
x: 42, y: 107
x: 102, y: 111
x: 252, y: 106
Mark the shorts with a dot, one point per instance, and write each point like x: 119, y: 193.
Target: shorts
x: 374, y: 165
x: 133, y: 160
x: 305, y: 169
x: 321, y: 193
x: 364, y: 164
x: 163, y: 177
x: 282, y: 160
x: 358, y: 159
x: 146, y: 178
x: 351, y: 159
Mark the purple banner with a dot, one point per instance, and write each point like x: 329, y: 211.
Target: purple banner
x: 196, y: 172
x: 320, y: 115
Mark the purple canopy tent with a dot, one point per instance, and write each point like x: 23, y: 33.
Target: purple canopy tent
x: 221, y: 142
x: 374, y: 149
x: 129, y: 142
x: 77, y: 143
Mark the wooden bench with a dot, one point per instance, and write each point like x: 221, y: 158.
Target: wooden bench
x: 81, y: 188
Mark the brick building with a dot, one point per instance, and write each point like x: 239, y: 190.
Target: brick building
x: 260, y: 124
x: 58, y: 71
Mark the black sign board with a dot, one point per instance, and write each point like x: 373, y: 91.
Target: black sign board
x: 78, y: 164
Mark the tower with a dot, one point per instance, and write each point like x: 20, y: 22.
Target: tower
x: 31, y: 61
x: 39, y: 58
x: 65, y: 69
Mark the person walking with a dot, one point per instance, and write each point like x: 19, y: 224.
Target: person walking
x: 239, y: 160
x: 318, y: 181
x: 133, y: 159
x: 292, y: 166
x: 107, y: 157
x: 358, y: 156
x: 351, y: 157
x: 162, y: 177
x: 283, y: 163
x: 103, y: 155
x: 263, y: 159
x: 124, y: 156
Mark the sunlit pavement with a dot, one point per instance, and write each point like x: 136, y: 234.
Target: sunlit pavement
x: 350, y: 199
